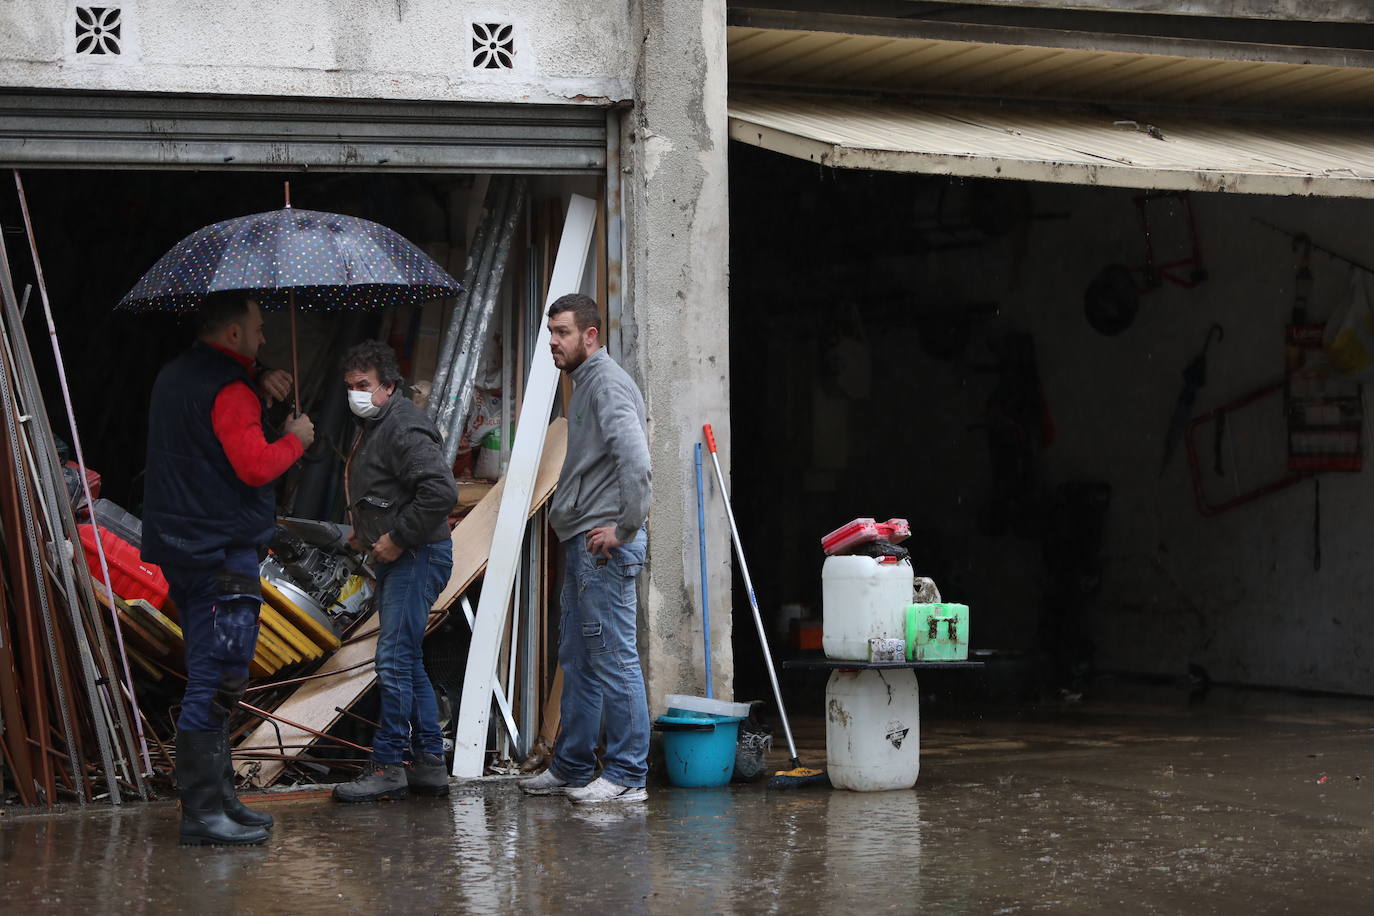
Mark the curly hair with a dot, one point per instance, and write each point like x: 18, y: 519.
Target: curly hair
x: 373, y: 354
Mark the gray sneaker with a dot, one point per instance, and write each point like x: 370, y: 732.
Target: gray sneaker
x: 546, y: 783
x: 377, y: 782
x: 428, y: 775
x: 602, y: 791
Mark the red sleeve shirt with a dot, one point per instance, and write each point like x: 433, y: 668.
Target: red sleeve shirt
x: 237, y: 421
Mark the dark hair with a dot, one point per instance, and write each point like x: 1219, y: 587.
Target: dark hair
x: 220, y: 309
x: 373, y: 354
x: 584, y: 309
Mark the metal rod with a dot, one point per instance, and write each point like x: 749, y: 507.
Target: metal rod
x: 295, y: 361
x: 753, y: 602
x: 81, y: 465
x: 615, y: 331
x: 305, y: 728
x: 705, y: 590
x: 1315, y: 247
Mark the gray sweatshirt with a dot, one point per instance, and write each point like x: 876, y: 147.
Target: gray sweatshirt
x: 605, y: 478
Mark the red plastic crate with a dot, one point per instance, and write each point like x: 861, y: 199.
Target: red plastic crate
x: 130, y: 577
x: 865, y: 531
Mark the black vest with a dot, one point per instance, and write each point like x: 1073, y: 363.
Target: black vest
x: 194, y: 505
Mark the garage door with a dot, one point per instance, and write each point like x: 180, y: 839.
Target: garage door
x: 166, y: 131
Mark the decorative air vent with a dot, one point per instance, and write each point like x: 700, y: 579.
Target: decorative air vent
x: 98, y: 30
x: 493, y: 46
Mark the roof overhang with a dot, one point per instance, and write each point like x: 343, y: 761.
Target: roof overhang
x: 789, y: 50
x: 1069, y: 147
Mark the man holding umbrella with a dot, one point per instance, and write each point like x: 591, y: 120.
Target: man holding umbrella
x: 209, y: 507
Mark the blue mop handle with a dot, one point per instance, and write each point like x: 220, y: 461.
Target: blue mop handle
x: 705, y: 591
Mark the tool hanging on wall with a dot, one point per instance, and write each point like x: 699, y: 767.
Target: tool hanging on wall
x: 1255, y: 400
x: 1112, y: 300
x: 1194, y: 377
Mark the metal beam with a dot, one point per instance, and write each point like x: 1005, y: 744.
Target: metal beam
x: 1351, y: 11
x: 1061, y: 39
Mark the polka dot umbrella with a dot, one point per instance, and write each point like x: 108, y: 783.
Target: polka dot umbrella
x: 293, y: 258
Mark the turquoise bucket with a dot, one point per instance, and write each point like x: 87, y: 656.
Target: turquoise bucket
x: 699, y: 748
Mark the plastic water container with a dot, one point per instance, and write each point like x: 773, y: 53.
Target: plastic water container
x: 873, y: 730
x: 863, y: 598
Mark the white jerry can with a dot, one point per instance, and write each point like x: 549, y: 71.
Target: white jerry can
x: 863, y: 598
x: 873, y: 729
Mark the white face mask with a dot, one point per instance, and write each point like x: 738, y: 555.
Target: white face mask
x: 360, y: 402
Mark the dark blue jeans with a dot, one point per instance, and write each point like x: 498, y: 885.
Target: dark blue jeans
x: 602, y: 680
x: 219, y: 623
x: 407, y: 589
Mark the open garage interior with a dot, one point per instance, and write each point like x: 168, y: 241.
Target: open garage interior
x: 1126, y: 425
x: 99, y: 230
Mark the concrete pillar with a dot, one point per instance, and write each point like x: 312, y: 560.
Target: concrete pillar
x: 676, y: 326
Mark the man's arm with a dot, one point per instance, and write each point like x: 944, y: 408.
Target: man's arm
x: 421, y: 467
x: 237, y: 421
x: 628, y: 447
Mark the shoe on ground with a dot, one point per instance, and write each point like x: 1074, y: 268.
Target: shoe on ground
x: 546, y: 783
x: 602, y: 791
x: 377, y: 782
x: 428, y: 776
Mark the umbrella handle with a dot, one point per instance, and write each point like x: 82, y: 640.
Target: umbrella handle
x: 295, y: 362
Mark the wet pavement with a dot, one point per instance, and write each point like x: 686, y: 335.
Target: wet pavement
x: 1245, y: 803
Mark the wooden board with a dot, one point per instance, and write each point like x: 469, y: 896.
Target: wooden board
x: 289, y: 634
x: 313, y: 702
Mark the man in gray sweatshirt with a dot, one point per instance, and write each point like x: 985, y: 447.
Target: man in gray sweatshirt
x: 598, y: 513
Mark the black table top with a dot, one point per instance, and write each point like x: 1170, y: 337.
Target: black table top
x: 848, y: 665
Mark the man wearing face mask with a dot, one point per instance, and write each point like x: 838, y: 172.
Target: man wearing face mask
x: 400, y: 492
x: 209, y: 507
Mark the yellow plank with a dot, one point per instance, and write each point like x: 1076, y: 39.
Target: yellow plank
x: 280, y: 649
x: 316, y: 631
x: 289, y: 634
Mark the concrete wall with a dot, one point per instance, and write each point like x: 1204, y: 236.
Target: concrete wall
x: 1237, y: 593
x: 412, y: 49
x: 677, y: 333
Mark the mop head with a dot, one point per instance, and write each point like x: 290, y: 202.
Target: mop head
x: 798, y: 777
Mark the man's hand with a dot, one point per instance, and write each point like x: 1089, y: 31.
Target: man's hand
x: 275, y: 385
x: 303, y: 428
x: 601, y: 540
x: 385, y: 550
x: 356, y: 545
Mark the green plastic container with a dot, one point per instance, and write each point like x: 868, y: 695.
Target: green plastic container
x: 937, y: 632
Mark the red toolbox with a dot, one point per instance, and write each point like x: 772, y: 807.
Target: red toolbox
x: 865, y: 531
x: 130, y: 577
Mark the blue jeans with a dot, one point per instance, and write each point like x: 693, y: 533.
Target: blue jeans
x: 219, y: 624
x: 407, y: 589
x: 602, y: 679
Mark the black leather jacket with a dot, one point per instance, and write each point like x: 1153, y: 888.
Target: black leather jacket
x: 398, y: 481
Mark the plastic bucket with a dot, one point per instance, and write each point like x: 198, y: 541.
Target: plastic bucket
x: 699, y: 748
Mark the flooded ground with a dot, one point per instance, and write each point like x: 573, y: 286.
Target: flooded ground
x: 1243, y: 803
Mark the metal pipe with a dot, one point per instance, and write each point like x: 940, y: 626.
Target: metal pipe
x: 448, y: 346
x: 705, y: 589
x: 499, y: 192
x: 466, y: 383
x: 81, y: 464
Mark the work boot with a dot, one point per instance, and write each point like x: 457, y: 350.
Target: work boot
x: 236, y: 809
x: 377, y: 782
x: 200, y: 781
x: 428, y: 775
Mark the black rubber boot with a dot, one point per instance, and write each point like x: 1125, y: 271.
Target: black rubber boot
x: 428, y: 775
x: 200, y: 779
x: 377, y: 782
x: 236, y: 809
